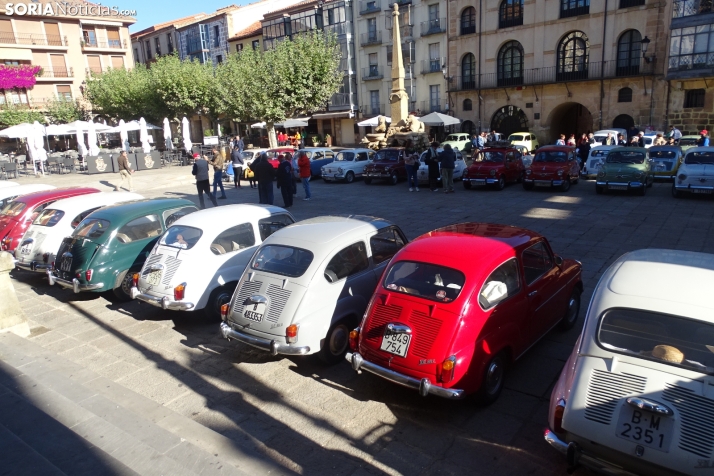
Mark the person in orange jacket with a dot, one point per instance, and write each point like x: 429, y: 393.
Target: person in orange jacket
x: 304, y: 170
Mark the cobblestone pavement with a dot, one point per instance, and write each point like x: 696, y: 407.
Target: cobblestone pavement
x: 327, y: 420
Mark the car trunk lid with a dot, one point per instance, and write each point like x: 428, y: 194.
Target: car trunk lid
x: 157, y: 275
x: 30, y: 247
x: 74, y: 254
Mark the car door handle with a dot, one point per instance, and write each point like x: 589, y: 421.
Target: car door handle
x: 532, y: 293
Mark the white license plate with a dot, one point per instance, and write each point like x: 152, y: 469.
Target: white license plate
x: 542, y: 184
x: 154, y: 278
x: 645, y: 428
x: 254, y: 312
x: 66, y: 265
x: 25, y: 250
x: 617, y: 187
x: 701, y: 190
x: 396, y: 343
x: 478, y: 181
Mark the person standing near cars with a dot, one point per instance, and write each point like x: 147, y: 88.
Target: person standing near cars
x: 237, y: 162
x: 411, y: 161
x: 621, y: 140
x: 304, y: 171
x: 285, y: 180
x: 125, y: 171
x: 217, y: 163
x: 448, y: 162
x: 264, y: 173
x: 432, y: 161
x: 200, y: 170
x: 704, y: 139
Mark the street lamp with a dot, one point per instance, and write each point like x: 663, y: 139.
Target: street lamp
x: 445, y: 72
x: 645, y: 42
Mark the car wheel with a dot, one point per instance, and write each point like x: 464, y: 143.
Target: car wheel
x: 367, y: 180
x: 393, y: 180
x: 566, y: 185
x: 676, y: 193
x: 123, y: 291
x: 350, y: 177
x: 335, y: 344
x: 572, y: 312
x: 494, y: 376
x: 220, y: 296
x: 467, y: 185
x: 527, y: 186
x: 598, y: 189
x: 501, y: 183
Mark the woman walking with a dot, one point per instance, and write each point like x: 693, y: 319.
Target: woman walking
x: 411, y: 161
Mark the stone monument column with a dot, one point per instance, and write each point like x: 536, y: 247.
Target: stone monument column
x: 399, y: 100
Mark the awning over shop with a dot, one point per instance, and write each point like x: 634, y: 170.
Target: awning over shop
x: 16, y: 54
x: 373, y: 121
x: 334, y: 115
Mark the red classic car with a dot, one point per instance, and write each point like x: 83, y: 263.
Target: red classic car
x: 19, y: 214
x: 553, y: 166
x: 387, y: 165
x: 273, y: 154
x: 498, y: 165
x: 458, y: 304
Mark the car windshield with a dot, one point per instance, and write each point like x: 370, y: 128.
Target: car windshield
x: 13, y: 209
x: 49, y: 217
x: 430, y: 281
x: 284, y: 260
x: 688, y: 141
x: 306, y: 152
x: 91, y: 228
x: 493, y: 156
x: 388, y: 154
x: 663, y: 154
x: 513, y: 137
x: 626, y: 157
x: 246, y: 155
x: 600, y: 139
x: 551, y: 156
x: 345, y: 156
x: 453, y: 138
x: 664, y: 338
x: 700, y: 158
x: 184, y: 237
x: 598, y: 153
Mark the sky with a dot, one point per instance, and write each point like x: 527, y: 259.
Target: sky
x: 159, y: 11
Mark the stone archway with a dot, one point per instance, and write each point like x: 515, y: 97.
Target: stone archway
x: 509, y: 119
x: 623, y: 121
x: 468, y: 127
x: 570, y: 118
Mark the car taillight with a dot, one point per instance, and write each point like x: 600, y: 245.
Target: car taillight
x: 135, y: 279
x: 179, y: 291
x: 88, y: 274
x: 6, y: 242
x: 291, y: 333
x: 447, y: 369
x: 78, y: 274
x: 354, y: 338
x: 558, y: 416
x: 224, y: 311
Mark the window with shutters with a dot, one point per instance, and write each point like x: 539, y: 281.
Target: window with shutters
x: 64, y: 92
x: 113, y: 38
x: 157, y: 42
x: 52, y: 34
x: 94, y: 63
x: 7, y: 35
x: 59, y: 66
x: 117, y: 62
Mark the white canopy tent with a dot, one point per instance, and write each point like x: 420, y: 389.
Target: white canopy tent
x: 186, y: 133
x: 123, y: 135
x: 92, y: 139
x: 438, y: 119
x: 144, y: 136
x: 132, y: 126
x: 18, y: 131
x: 287, y: 124
x: 81, y: 146
x: 372, y: 121
x: 167, y: 134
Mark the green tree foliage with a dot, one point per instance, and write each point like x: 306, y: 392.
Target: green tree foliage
x: 13, y: 115
x: 185, y: 87
x: 126, y: 94
x: 62, y: 111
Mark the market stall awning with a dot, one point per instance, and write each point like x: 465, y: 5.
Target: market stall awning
x: 334, y: 115
x: 438, y: 119
x: 292, y: 123
x: 130, y: 126
x: 373, y: 121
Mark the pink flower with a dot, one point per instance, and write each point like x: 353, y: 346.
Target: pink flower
x: 23, y: 76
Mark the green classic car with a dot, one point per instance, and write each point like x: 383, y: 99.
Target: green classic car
x: 111, y: 243
x: 687, y: 142
x: 625, y: 168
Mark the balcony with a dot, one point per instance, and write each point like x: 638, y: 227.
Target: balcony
x: 692, y: 62
x: 432, y: 65
x: 372, y: 73
x: 369, y: 6
x: 92, y: 71
x: 56, y: 74
x: 401, y: 3
x: 406, y: 28
x: 428, y: 106
x: 433, y: 27
x: 686, y: 8
x: 342, y: 100
x: 586, y: 72
x: 573, y: 10
x: 339, y: 29
x: 373, y: 110
x: 33, y: 39
x: 104, y: 44
x: 370, y: 38
x: 347, y: 65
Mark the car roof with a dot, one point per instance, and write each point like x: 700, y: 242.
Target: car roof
x: 691, y: 136
x: 222, y: 217
x: 24, y: 189
x: 502, y: 149
x: 355, y: 150
x: 392, y: 148
x: 98, y: 199
x: 700, y: 149
x: 604, y: 147
x: 324, y: 229
x: 675, y: 148
x: 519, y: 133
x: 43, y: 195
x: 626, y: 149
x: 138, y: 207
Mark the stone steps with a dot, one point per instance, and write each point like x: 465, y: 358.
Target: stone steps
x: 57, y: 417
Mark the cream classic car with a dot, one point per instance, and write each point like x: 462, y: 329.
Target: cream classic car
x: 308, y: 285
x: 636, y: 395
x: 39, y: 245
x: 596, y: 158
x: 423, y: 172
x: 695, y: 173
x: 348, y: 165
x: 197, y: 262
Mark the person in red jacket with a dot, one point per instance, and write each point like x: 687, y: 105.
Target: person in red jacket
x: 304, y: 170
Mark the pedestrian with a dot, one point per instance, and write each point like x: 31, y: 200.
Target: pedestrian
x: 432, y: 161
x: 674, y: 133
x: 448, y: 160
x: 621, y: 140
x: 571, y: 140
x: 285, y: 180
x: 609, y: 140
x: 641, y: 139
x: 217, y: 163
x: 411, y: 161
x: 704, y: 139
x: 303, y: 164
x: 633, y: 132
x: 561, y: 140
x: 237, y: 163
x: 591, y: 138
x: 265, y: 174
x: 125, y: 171
x: 584, y: 149
x: 635, y: 141
x: 200, y: 170
x: 659, y: 140
x: 238, y: 144
x: 670, y: 141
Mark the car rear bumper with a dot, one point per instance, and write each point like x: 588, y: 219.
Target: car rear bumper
x: 74, y: 285
x: 34, y: 266
x: 694, y: 189
x: 272, y: 346
x: 423, y: 386
x: 620, y: 185
x: 162, y: 302
x: 576, y: 457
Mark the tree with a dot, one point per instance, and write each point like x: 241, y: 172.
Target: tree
x: 125, y: 94
x: 294, y: 78
x: 13, y: 115
x: 62, y: 111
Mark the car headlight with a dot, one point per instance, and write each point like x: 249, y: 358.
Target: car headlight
x: 639, y: 174
x: 339, y: 170
x: 560, y: 173
x: 387, y: 169
x: 601, y: 173
x: 682, y: 176
x: 528, y: 172
x: 493, y: 172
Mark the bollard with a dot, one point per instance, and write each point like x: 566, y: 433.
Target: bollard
x: 12, y: 319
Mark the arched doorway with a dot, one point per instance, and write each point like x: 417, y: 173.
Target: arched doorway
x: 469, y: 127
x: 509, y: 119
x: 570, y: 118
x: 623, y: 121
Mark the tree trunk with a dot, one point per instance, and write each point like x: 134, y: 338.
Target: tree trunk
x: 271, y: 135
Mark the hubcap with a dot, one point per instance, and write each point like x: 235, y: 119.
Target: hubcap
x: 494, y: 374
x: 338, y: 340
x: 572, y: 309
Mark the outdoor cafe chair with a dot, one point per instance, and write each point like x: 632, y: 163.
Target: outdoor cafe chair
x: 67, y: 163
x: 52, y: 163
x: 7, y: 169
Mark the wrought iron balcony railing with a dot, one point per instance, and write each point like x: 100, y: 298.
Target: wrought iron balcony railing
x: 433, y: 27
x: 114, y: 44
x: 369, y: 6
x: 370, y: 38
x: 32, y: 39
x: 372, y: 73
x: 58, y: 73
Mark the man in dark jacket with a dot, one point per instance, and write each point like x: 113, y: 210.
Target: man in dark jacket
x: 432, y: 161
x: 285, y: 180
x: 237, y: 162
x: 448, y: 162
x: 264, y: 173
x: 200, y: 170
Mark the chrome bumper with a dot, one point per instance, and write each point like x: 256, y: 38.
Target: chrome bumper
x: 74, y: 285
x: 690, y: 188
x: 423, y: 386
x: 34, y: 266
x: 333, y: 177
x: 164, y: 302
x: 629, y: 185
x: 576, y: 457
x: 544, y: 183
x: 272, y: 346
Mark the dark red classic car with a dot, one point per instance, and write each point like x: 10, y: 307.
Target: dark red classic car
x: 388, y: 165
x: 273, y: 154
x: 457, y: 305
x: 553, y: 166
x: 19, y: 214
x: 498, y: 166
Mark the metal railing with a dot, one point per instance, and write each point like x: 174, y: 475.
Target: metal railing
x: 347, y: 64
x: 389, y: 4
x: 342, y: 99
x: 32, y: 39
x: 339, y: 29
x: 551, y: 74
x: 467, y: 30
x: 631, y: 3
x: 58, y: 73
x: 433, y: 27
x: 372, y: 73
x: 432, y: 65
x: 369, y: 6
x: 114, y: 44
x: 373, y: 110
x: 509, y: 22
x: 370, y: 38
x: 429, y: 106
x: 691, y: 62
x: 685, y: 8
x: 574, y: 12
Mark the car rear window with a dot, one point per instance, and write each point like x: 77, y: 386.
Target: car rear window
x: 50, y: 217
x: 13, y: 209
x: 664, y: 338
x: 492, y: 156
x: 551, y: 156
x: 429, y: 281
x: 688, y: 141
x: 663, y: 154
x: 139, y: 229
x: 268, y: 226
x: 625, y: 157
x: 390, y: 155
x: 347, y: 156
x: 283, y: 260
x: 183, y: 237
x: 515, y: 137
x: 598, y: 153
x: 699, y: 158
x: 91, y: 228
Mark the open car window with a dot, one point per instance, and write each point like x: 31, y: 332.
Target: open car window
x: 500, y: 285
x: 183, y: 237
x: 91, y: 228
x: 233, y: 239
x: 664, y: 338
x: 139, y: 229
x: 704, y: 158
x: 268, y: 226
x: 345, y: 156
x: 49, y: 218
x: 429, y: 281
x: 283, y: 260
x: 347, y: 262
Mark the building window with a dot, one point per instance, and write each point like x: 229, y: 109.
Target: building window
x: 573, y: 8
x: 624, y: 95
x: 18, y: 96
x: 64, y: 92
x: 634, y: 3
x: 95, y: 63
x: 52, y: 33
x: 219, y: 59
x: 694, y: 98
x: 239, y: 47
x: 117, y: 62
x: 573, y: 57
x: 136, y: 55
x: 510, y: 13
x: 510, y: 64
x: 157, y: 41
x: 371, y: 30
x: 434, y: 58
x: 468, y: 21
x: 113, y: 38
x: 89, y: 36
x: 468, y: 72
x: 7, y: 35
x: 216, y: 36
x: 468, y: 105
x: 374, y: 102
x: 147, y: 43
x: 256, y: 44
x: 434, y: 98
x: 170, y: 42
x: 691, y: 48
x: 685, y: 8
x: 629, y: 53
x: 373, y: 65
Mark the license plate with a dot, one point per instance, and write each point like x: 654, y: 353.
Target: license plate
x: 542, y: 184
x: 154, y: 278
x: 396, y: 343
x: 25, y: 250
x: 255, y: 312
x: 645, y: 428
x: 617, y: 187
x: 66, y: 265
x: 701, y: 190
x: 478, y: 181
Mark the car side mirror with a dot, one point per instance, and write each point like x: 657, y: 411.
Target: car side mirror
x: 558, y: 261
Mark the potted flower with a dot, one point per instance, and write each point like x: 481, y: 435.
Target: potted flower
x: 315, y: 140
x: 328, y: 140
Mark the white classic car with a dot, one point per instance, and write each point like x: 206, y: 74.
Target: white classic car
x: 6, y: 184
x: 423, y: 172
x: 39, y: 245
x: 596, y: 158
x: 8, y: 194
x: 696, y: 173
x: 636, y: 395
x: 348, y: 165
x: 308, y: 285
x: 203, y: 255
